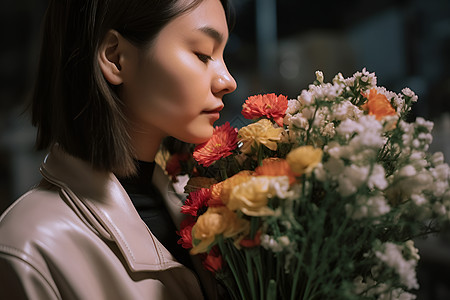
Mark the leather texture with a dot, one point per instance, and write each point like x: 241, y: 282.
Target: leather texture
x: 78, y: 236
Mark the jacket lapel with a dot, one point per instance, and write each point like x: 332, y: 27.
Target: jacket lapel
x: 105, y: 205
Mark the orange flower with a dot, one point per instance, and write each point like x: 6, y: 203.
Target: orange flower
x: 275, y: 167
x: 223, y: 141
x: 216, y: 190
x: 268, y: 105
x: 378, y: 105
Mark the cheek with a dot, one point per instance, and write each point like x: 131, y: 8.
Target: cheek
x: 169, y: 96
x: 174, y: 87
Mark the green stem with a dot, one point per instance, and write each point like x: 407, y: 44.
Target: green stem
x: 260, y: 154
x: 231, y: 265
x: 223, y: 169
x: 296, y: 276
x: 251, y: 278
x: 272, y: 290
x: 258, y: 264
x: 254, y: 225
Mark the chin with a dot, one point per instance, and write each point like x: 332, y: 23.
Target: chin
x: 200, y: 140
x: 198, y: 137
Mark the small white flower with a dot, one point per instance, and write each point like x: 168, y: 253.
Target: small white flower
x: 442, y: 172
x: 284, y: 241
x: 320, y: 173
x: 351, y: 179
x: 407, y: 171
x: 293, y: 106
x: 338, y: 79
x: 279, y: 186
x: 413, y: 251
x: 319, y: 76
x: 437, y: 158
x: 439, y: 188
x: 374, y: 206
x: 348, y: 127
x: 408, y: 92
x: 393, y: 257
x: 345, y: 110
x: 377, y: 178
x: 299, y: 121
x: 269, y: 243
x: 305, y: 98
x: 328, y: 130
x: 422, y: 122
x: 418, y: 199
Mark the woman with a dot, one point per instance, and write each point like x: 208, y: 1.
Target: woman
x: 115, y: 78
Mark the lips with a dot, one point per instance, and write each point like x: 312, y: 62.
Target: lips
x: 213, y: 111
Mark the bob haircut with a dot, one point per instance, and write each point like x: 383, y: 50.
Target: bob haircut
x: 73, y: 104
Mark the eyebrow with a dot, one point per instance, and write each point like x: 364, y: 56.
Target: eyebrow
x: 214, y: 34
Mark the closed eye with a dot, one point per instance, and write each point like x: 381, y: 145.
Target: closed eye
x: 204, y: 58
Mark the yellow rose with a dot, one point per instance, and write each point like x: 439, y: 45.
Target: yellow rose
x: 251, y: 197
x: 304, y: 159
x: 231, y: 182
x: 261, y: 132
x: 216, y: 221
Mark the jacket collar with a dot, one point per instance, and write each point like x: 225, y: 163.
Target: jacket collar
x: 100, y: 200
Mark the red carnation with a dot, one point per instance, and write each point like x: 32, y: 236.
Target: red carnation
x: 196, y: 202
x: 269, y: 105
x: 186, y: 232
x: 213, y: 260
x: 223, y: 141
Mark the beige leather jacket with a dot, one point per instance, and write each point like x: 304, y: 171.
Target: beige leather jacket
x: 78, y: 236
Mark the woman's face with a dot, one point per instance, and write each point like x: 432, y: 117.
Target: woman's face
x: 175, y: 86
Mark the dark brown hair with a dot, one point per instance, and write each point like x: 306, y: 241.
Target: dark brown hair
x: 73, y: 105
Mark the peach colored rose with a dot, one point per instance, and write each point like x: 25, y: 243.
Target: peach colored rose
x: 259, y: 133
x: 216, y: 221
x: 304, y: 159
x: 231, y: 182
x: 252, y: 196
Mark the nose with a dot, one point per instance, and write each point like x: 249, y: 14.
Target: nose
x: 223, y: 83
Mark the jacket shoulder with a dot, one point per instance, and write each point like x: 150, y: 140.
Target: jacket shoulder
x: 36, y: 207
x: 36, y: 221
x: 24, y: 273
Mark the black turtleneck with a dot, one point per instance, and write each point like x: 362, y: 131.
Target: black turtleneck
x: 150, y: 205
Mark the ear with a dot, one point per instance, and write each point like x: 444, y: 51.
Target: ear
x: 109, y: 57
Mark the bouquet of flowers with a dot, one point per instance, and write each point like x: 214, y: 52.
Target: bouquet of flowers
x: 320, y: 197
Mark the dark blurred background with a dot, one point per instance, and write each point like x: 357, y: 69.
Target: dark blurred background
x: 275, y: 46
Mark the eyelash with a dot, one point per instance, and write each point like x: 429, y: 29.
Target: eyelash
x: 204, y: 58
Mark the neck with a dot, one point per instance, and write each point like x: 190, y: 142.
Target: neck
x: 146, y: 143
